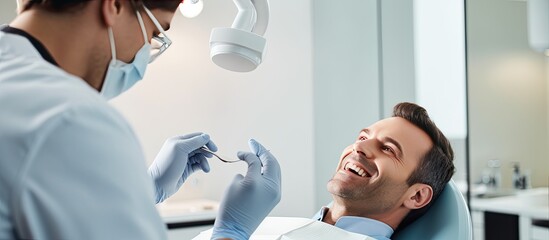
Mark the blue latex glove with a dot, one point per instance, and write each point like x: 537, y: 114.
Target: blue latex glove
x: 248, y: 200
x: 177, y: 160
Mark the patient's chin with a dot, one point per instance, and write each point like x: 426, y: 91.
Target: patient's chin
x: 338, y: 188
x: 333, y: 186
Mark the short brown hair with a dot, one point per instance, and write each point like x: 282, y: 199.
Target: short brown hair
x: 436, y: 168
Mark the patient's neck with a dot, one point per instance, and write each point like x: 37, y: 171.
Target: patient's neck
x: 338, y: 210
x: 332, y: 216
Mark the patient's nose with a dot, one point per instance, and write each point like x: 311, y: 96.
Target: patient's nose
x: 363, y: 148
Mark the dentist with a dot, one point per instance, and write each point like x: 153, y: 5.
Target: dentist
x: 70, y: 165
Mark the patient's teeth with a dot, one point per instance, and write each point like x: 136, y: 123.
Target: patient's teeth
x: 358, y: 170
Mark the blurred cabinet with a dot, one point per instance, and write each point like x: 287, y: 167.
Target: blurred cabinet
x: 499, y: 226
x: 539, y: 230
x: 505, y: 226
x: 186, y: 219
x: 478, y: 225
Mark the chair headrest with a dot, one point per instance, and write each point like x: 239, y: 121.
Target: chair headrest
x: 447, y: 219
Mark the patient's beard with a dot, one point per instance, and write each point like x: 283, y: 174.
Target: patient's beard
x: 372, y: 197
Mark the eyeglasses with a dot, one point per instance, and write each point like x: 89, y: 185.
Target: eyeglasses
x: 160, y: 42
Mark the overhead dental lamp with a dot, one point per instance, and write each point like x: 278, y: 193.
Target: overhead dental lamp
x: 538, y: 25
x: 240, y: 47
x: 191, y: 8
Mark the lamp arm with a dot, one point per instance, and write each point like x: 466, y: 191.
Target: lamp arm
x: 262, y: 9
x: 246, y: 17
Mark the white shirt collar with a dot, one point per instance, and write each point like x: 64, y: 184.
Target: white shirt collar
x: 361, y: 225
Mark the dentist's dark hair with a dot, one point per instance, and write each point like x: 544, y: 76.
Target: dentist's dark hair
x: 436, y: 168
x: 54, y: 5
x: 75, y: 5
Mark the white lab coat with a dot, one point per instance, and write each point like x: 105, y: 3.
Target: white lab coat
x: 70, y: 165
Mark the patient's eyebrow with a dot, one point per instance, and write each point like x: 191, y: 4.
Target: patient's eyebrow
x: 395, y: 142
x: 388, y: 139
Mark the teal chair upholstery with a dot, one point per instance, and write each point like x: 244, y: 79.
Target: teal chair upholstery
x: 447, y: 219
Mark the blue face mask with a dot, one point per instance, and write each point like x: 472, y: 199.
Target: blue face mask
x: 120, y: 75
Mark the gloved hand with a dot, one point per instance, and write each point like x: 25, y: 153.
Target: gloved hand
x: 248, y: 200
x: 178, y: 159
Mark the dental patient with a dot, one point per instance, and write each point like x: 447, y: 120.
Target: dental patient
x: 390, y: 175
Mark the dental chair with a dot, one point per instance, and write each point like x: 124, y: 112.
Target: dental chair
x: 447, y: 219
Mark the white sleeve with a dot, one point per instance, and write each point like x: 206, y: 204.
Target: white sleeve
x: 86, y: 179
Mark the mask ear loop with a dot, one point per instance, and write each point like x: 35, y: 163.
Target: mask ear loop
x: 154, y: 20
x: 113, y: 46
x: 142, y: 25
x: 111, y: 35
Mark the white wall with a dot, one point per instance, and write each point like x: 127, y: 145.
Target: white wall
x: 439, y: 50
x: 8, y: 10
x: 185, y: 92
x: 397, y: 59
x: 346, y: 81
x: 507, y: 84
x: 439, y: 59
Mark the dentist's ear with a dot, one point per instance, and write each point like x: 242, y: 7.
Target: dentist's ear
x: 418, y: 196
x: 110, y: 9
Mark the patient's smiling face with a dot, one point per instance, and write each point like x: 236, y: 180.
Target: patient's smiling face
x: 372, y: 172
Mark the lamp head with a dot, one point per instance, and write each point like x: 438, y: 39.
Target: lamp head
x: 191, y: 8
x: 240, y: 48
x: 235, y: 49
